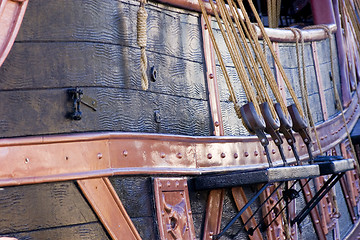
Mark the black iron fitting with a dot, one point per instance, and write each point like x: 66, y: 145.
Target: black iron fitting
x: 256, y: 126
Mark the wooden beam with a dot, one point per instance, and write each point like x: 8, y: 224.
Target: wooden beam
x: 105, y: 202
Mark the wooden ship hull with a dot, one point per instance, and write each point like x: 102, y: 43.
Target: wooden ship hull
x: 86, y: 153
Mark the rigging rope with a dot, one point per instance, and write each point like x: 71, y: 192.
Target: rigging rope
x: 276, y: 59
x: 141, y: 41
x: 221, y: 61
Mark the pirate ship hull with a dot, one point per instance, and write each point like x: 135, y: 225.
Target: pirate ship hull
x: 130, y: 163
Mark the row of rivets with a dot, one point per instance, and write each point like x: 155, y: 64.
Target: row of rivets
x: 99, y: 156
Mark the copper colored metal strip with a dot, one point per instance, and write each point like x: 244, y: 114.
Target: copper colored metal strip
x: 173, y: 209
x: 315, y: 216
x: 108, y: 207
x: 213, y: 216
x: 11, y: 16
x: 319, y: 81
x: 240, y: 201
x: 212, y: 80
x: 31, y: 160
x: 279, y: 79
x: 347, y: 199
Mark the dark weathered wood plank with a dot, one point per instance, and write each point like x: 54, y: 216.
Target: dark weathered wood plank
x: 42, y: 206
x: 76, y: 232
x: 58, y: 65
x: 169, y: 32
x: 37, y: 112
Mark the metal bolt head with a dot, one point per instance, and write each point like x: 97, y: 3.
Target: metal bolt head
x: 289, y: 148
x: 236, y: 155
x: 162, y: 155
x: 27, y: 160
x: 125, y: 153
x: 223, y: 155
x: 100, y: 156
x: 216, y: 123
x: 205, y: 26
x: 256, y: 153
x: 179, y: 155
x: 209, y: 156
x: 246, y: 154
x: 211, y: 76
x: 273, y: 151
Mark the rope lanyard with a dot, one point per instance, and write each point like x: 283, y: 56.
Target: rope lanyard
x: 221, y: 61
x: 276, y: 59
x: 141, y: 41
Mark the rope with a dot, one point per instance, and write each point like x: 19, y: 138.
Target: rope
x: 247, y: 55
x: 141, y: 41
x: 337, y: 97
x: 251, y: 35
x: 221, y: 61
x: 240, y: 69
x: 276, y: 59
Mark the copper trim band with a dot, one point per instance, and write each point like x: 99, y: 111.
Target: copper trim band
x: 11, y: 16
x: 51, y: 158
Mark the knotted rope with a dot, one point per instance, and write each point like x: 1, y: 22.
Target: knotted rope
x: 141, y: 41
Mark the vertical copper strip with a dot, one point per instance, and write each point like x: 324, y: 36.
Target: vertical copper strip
x: 346, y: 188
x: 216, y: 197
x: 315, y: 215
x: 279, y: 79
x: 105, y: 202
x: 319, y: 81
x: 212, y: 84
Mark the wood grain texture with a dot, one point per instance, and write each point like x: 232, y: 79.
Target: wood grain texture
x: 169, y: 32
x: 77, y: 232
x: 137, y: 197
x: 54, y: 65
x: 43, y: 206
x: 44, y: 112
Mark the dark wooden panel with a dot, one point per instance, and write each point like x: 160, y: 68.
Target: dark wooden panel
x: 146, y: 227
x: 76, y: 232
x: 136, y: 195
x: 54, y: 65
x: 42, y: 206
x: 36, y: 112
x: 170, y: 31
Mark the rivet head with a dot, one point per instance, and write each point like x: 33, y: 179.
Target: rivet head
x: 168, y: 183
x: 236, y: 155
x: 179, y: 155
x: 162, y: 155
x: 216, y: 123
x: 256, y: 153
x: 177, y: 183
x: 189, y: 212
x: 205, y: 26
x: 264, y: 153
x: 209, y: 156
x: 125, y: 153
x: 289, y: 148
x: 27, y: 160
x: 66, y: 158
x: 273, y: 151
x: 185, y: 184
x: 246, y: 154
x: 211, y: 76
x: 223, y: 155
x: 100, y: 156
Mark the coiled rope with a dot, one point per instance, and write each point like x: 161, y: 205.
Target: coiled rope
x: 141, y: 41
